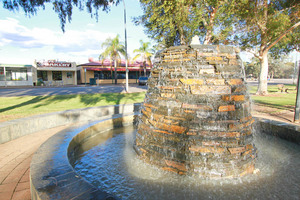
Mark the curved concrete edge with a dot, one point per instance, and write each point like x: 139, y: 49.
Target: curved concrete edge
x: 14, y: 129
x: 52, y: 176
x: 282, y: 130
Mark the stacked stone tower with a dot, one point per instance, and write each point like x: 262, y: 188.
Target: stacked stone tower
x: 196, y: 117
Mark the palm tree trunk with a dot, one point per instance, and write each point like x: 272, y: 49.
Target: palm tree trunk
x: 144, y: 68
x: 116, y: 79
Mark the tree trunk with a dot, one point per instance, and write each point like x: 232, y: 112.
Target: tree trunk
x: 263, y: 77
x: 144, y: 63
x: 115, y: 63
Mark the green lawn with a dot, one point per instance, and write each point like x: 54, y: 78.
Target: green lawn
x: 19, y: 107
x: 275, y: 99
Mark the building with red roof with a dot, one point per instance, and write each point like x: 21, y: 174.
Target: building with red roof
x: 103, y: 72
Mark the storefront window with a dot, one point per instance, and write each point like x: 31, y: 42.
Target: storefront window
x: 16, y: 74
x: 69, y: 74
x: 102, y: 75
x: 2, y: 77
x: 57, y: 76
x: 42, y: 75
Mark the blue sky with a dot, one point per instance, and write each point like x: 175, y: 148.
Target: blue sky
x: 24, y: 39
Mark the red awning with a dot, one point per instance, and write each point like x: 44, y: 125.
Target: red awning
x: 113, y: 69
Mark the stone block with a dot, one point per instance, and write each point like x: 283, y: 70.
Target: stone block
x: 235, y: 82
x: 197, y: 106
x: 170, y: 128
x: 215, y: 81
x: 236, y: 150
x: 161, y: 131
x: 167, y: 95
x: 226, y: 108
x: 205, y: 89
x: 200, y: 149
x: 192, y: 81
x: 240, y: 89
x: 150, y: 105
x: 176, y: 165
x: 207, y: 71
x: 233, y: 98
x: 213, y: 58
x: 172, y: 170
x: 168, y: 87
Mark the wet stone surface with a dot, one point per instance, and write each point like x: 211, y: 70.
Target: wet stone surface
x: 196, y: 116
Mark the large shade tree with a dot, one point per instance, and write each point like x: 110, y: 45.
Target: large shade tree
x: 263, y: 24
x: 176, y: 22
x: 145, y: 53
x: 113, y: 49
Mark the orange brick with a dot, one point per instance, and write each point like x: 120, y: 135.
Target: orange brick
x: 150, y: 105
x: 171, y: 128
x: 236, y: 150
x: 235, y: 82
x: 233, y: 98
x: 226, y: 108
x: 176, y: 165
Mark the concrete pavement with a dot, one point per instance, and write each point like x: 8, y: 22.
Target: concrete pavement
x: 15, y: 158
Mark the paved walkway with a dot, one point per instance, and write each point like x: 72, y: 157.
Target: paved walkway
x: 16, y: 155
x: 15, y: 158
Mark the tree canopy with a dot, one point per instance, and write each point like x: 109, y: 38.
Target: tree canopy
x: 265, y: 23
x: 63, y: 8
x: 176, y: 22
x: 113, y: 49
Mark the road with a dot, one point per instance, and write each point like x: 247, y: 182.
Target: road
x: 275, y: 82
x: 41, y: 91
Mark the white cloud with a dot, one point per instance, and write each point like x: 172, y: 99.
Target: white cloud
x: 71, y: 43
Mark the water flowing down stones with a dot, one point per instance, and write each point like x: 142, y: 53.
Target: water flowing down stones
x: 196, y: 116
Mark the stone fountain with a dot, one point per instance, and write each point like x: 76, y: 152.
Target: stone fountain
x: 196, y: 116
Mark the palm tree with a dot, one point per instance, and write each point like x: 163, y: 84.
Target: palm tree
x: 113, y: 50
x: 145, y: 52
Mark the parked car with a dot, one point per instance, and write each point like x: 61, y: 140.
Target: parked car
x: 143, y: 80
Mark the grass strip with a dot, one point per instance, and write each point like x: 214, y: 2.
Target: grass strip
x: 19, y: 107
x: 275, y: 99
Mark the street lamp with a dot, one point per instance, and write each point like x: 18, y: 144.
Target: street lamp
x: 126, y: 57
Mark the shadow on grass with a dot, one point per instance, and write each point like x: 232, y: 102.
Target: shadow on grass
x: 26, y: 103
x: 273, y: 105
x: 86, y: 99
